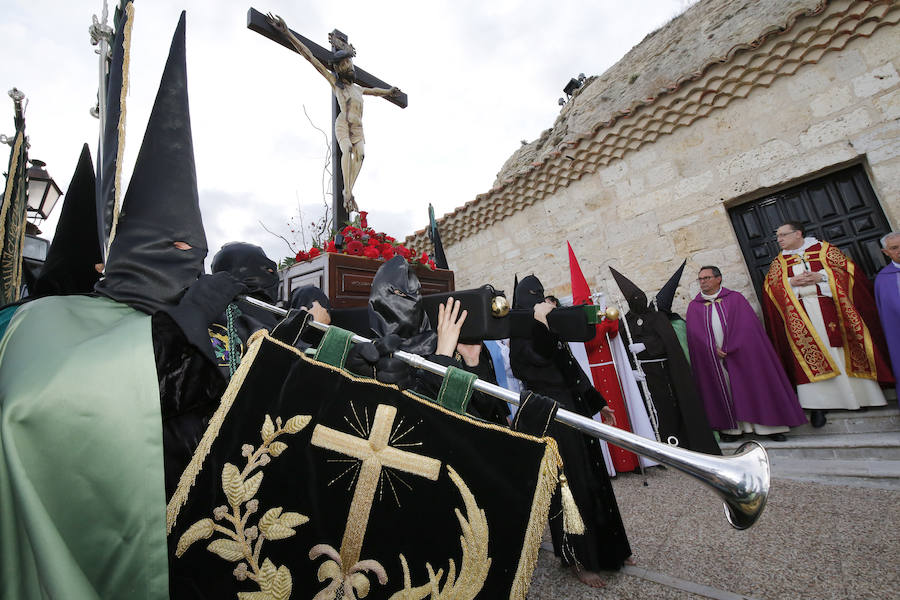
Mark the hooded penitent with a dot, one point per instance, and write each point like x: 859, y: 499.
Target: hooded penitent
x: 395, y: 307
x: 145, y: 269
x: 546, y: 366
x: 664, y: 298
x: 528, y: 292
x: 71, y: 262
x: 679, y: 410
x: 249, y: 264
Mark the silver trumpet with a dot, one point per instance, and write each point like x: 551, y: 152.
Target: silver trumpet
x: 741, y: 480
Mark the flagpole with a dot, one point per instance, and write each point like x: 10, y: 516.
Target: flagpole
x: 101, y: 33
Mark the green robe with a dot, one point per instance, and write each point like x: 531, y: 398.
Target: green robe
x: 82, y: 501
x: 680, y: 327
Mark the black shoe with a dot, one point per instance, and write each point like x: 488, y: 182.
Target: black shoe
x: 727, y: 437
x: 777, y: 437
x: 817, y: 418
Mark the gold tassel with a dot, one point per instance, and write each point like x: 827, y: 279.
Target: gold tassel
x: 572, y: 522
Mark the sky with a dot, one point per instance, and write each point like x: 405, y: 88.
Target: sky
x: 481, y: 77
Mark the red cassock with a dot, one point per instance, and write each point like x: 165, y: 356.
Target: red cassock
x: 607, y: 383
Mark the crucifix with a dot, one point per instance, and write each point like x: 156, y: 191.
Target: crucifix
x: 376, y: 453
x: 348, y: 84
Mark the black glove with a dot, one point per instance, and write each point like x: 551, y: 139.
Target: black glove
x: 201, y: 304
x: 289, y: 330
x: 390, y: 369
x: 535, y: 414
x: 362, y: 359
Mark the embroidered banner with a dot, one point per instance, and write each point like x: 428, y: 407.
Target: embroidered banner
x: 311, y: 482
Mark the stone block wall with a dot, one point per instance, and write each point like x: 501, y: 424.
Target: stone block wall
x: 667, y: 201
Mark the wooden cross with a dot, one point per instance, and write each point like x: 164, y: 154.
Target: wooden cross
x: 375, y: 454
x: 257, y: 21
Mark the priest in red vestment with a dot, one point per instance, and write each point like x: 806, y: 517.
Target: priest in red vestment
x: 820, y: 314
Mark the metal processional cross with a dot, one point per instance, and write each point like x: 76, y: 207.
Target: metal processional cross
x: 259, y: 23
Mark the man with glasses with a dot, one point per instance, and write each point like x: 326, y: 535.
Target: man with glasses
x: 887, y: 295
x: 738, y: 375
x: 820, y: 314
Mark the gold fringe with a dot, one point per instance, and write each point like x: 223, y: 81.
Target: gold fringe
x: 11, y: 178
x: 540, y: 507
x: 572, y: 521
x: 120, y: 151
x: 189, y: 476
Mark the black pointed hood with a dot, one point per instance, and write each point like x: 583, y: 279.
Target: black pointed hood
x: 528, y: 292
x: 249, y: 264
x: 145, y: 269
x: 634, y: 296
x: 666, y: 295
x: 70, y: 267
x: 395, y: 306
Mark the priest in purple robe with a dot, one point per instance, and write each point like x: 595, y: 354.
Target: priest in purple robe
x: 740, y: 379
x: 887, y: 297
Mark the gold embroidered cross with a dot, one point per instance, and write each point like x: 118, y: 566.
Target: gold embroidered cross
x: 375, y: 454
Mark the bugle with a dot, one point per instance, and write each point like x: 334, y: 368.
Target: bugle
x: 741, y: 480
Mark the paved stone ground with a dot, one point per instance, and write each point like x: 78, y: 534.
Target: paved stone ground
x: 813, y: 541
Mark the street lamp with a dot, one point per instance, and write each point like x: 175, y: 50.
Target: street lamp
x: 42, y: 190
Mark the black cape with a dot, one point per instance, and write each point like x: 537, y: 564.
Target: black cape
x: 546, y: 366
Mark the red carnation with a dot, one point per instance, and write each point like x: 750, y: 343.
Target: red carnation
x: 424, y: 258
x: 387, y: 253
x: 314, y: 252
x: 301, y: 256
x: 403, y: 251
x: 362, y: 218
x: 330, y: 247
x: 355, y: 247
x: 388, y: 238
x: 371, y: 252
x: 373, y: 241
x: 431, y: 265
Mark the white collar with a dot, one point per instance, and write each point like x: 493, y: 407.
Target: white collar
x: 807, y: 242
x: 896, y: 264
x: 711, y: 296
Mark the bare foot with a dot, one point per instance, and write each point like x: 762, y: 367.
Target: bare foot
x: 588, y: 577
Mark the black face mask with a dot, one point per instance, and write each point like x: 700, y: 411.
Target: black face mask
x: 528, y: 292
x: 249, y: 264
x: 637, y: 302
x: 395, y: 306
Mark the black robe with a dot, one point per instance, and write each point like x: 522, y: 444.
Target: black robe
x: 546, y: 366
x: 678, y: 408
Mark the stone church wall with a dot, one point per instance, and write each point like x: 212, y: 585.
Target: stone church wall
x: 668, y: 200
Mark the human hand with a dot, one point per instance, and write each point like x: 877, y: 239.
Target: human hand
x: 448, y: 326
x: 639, y: 376
x: 637, y: 347
x: 471, y: 353
x: 721, y: 353
x: 807, y: 278
x: 277, y: 23
x: 608, y: 415
x: 319, y: 313
x: 541, y: 310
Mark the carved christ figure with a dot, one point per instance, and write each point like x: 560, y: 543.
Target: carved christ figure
x: 348, y: 125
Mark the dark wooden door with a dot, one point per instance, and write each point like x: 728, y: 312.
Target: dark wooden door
x: 839, y: 208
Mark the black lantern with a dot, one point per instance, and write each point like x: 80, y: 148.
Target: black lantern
x: 42, y: 190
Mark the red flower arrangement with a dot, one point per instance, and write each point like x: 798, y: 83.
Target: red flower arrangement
x: 358, y: 239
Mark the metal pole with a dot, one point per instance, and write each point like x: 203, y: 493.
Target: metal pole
x: 742, y: 480
x: 651, y: 408
x: 101, y: 33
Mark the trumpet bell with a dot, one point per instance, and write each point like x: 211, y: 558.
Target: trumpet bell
x: 745, y: 496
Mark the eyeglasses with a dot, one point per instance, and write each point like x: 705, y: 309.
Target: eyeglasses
x: 708, y: 277
x: 784, y: 235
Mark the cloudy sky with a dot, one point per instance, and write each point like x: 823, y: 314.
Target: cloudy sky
x: 481, y: 76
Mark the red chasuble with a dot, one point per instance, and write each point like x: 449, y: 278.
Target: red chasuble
x: 603, y: 369
x: 850, y: 319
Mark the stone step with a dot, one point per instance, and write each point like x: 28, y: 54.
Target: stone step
x: 853, y: 421
x: 840, y: 446
x: 884, y: 474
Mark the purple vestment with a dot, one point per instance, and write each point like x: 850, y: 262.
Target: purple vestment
x: 760, y: 392
x: 887, y: 297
